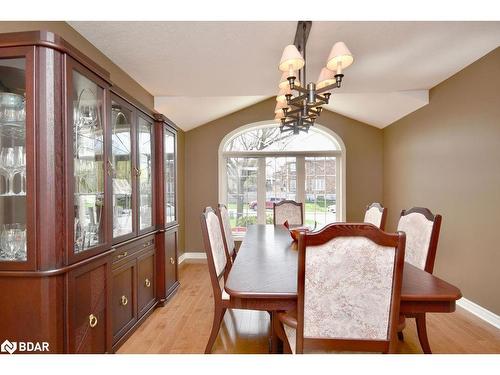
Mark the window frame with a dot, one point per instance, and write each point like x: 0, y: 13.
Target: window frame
x: 340, y: 176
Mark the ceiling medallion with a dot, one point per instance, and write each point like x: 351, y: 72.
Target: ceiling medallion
x: 299, y: 106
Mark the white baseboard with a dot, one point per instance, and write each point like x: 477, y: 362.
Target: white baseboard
x: 480, y: 312
x: 193, y: 255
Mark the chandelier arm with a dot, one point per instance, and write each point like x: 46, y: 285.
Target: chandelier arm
x: 327, y: 88
x: 297, y: 99
x: 288, y: 113
x: 289, y: 122
x: 298, y: 105
x: 300, y: 89
x: 319, y: 103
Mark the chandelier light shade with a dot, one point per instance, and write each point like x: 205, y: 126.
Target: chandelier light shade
x: 326, y: 78
x: 340, y: 57
x: 291, y: 59
x: 300, y: 105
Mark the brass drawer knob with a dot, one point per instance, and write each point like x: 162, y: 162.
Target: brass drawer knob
x: 172, y: 261
x: 122, y: 255
x: 124, y: 301
x: 92, y: 320
x: 147, y: 283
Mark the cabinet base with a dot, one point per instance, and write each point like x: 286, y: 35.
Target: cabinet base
x: 171, y: 292
x: 132, y: 329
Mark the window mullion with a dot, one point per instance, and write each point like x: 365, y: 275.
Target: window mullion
x: 301, y: 179
x: 261, y: 190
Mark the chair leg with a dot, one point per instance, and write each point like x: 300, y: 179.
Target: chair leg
x: 218, y: 316
x: 422, y: 333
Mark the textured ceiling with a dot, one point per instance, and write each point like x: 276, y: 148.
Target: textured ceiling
x: 199, y: 71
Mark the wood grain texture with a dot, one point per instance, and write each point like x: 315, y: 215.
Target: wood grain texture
x: 266, y: 267
x: 183, y: 326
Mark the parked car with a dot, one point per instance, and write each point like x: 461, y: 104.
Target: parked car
x: 332, y: 208
x: 269, y: 203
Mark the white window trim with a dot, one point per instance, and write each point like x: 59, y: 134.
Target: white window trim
x: 340, y: 175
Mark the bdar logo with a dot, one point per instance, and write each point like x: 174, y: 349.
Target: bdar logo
x: 9, y: 347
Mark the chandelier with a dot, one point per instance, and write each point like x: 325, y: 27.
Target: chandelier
x: 299, y: 106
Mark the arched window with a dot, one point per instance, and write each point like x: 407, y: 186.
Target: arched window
x: 259, y: 165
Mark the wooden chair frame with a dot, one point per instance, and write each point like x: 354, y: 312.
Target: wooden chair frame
x: 382, y: 209
x: 219, y: 215
x: 220, y: 305
x: 396, y: 240
x: 285, y: 202
x: 420, y: 319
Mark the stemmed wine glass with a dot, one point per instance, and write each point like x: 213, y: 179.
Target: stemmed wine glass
x: 4, y: 172
x: 13, y: 161
x: 9, y: 165
x: 20, y: 156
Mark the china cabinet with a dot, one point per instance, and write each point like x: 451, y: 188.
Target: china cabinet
x: 166, y: 181
x: 88, y: 205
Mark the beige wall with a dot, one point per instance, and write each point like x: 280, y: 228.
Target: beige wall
x: 446, y: 156
x: 363, y: 163
x: 118, y: 76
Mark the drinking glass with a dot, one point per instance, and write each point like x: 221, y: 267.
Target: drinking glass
x: 8, y: 241
x: 4, y: 172
x: 9, y: 164
x: 20, y: 242
x: 20, y: 158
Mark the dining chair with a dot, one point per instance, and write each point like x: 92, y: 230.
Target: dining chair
x: 376, y: 214
x: 348, y: 291
x: 225, y: 223
x: 218, y: 261
x: 422, y: 229
x: 288, y: 210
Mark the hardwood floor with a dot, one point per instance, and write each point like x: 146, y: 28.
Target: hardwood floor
x: 183, y: 326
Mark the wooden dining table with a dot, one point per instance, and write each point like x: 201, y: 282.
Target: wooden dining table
x: 264, y: 277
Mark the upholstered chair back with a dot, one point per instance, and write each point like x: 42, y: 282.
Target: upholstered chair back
x: 214, y: 243
x: 422, y: 233
x: 226, y: 226
x: 349, y: 284
x: 290, y: 211
x: 375, y: 214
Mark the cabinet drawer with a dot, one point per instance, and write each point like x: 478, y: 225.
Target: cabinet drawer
x: 123, y: 299
x: 125, y: 252
x: 88, y: 301
x: 146, y: 286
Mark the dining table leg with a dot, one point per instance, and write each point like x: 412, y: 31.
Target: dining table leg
x: 422, y: 333
x: 276, y: 345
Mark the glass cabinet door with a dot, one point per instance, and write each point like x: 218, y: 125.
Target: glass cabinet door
x: 169, y: 175
x: 88, y: 163
x: 121, y: 170
x: 13, y: 173
x: 144, y: 172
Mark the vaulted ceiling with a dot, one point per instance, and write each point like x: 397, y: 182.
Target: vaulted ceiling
x: 200, y: 71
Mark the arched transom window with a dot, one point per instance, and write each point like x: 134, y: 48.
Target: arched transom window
x: 259, y: 166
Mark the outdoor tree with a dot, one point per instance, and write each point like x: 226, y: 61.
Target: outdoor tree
x: 240, y: 169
